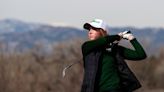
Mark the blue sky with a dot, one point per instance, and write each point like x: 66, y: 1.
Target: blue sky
x: 138, y: 13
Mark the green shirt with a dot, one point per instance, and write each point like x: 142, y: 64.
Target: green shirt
x: 109, y: 78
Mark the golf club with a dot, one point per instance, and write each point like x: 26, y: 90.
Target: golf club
x: 69, y: 66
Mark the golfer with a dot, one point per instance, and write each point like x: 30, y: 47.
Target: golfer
x: 104, y: 67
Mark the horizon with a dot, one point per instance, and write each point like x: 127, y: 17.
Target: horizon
x: 57, y: 24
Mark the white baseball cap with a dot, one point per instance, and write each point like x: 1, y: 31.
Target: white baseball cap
x: 96, y: 23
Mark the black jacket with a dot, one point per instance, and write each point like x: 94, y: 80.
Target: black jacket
x: 128, y: 81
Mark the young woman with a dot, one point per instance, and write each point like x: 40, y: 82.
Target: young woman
x: 104, y: 67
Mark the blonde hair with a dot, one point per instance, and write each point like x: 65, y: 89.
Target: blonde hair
x: 103, y: 32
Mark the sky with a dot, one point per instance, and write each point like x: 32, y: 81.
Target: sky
x: 138, y: 13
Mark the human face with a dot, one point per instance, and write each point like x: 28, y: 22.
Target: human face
x: 94, y: 33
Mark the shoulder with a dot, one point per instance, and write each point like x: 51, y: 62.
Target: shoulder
x: 84, y: 45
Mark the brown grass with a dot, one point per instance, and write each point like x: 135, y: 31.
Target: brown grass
x: 33, y: 71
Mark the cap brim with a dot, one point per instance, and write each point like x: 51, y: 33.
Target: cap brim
x: 87, y: 26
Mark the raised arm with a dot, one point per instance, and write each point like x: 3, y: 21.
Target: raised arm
x: 137, y: 54
x: 98, y: 43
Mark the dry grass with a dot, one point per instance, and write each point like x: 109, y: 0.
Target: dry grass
x: 35, y: 72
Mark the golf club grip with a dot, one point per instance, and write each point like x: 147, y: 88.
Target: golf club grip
x: 128, y: 31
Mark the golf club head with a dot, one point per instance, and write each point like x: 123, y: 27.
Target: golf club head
x: 63, y: 73
x: 64, y: 70
x: 67, y: 67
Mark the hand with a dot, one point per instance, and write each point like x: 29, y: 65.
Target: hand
x: 128, y: 36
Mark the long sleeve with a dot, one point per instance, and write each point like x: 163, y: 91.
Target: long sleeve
x: 98, y: 43
x: 137, y: 54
